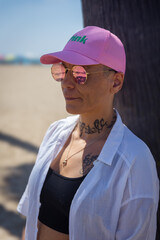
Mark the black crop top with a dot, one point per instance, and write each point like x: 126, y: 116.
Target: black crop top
x: 56, y: 197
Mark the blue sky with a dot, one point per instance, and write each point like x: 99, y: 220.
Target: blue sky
x: 35, y: 27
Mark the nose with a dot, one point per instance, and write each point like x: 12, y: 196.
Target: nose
x: 68, y: 81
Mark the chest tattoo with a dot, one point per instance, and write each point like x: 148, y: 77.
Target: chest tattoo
x: 87, y: 163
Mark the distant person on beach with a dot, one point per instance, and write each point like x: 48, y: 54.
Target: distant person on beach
x: 93, y: 178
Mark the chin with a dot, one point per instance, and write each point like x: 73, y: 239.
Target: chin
x: 73, y: 110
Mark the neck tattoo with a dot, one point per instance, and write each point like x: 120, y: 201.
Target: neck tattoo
x: 97, y: 127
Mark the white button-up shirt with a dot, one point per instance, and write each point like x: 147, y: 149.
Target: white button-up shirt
x: 118, y: 198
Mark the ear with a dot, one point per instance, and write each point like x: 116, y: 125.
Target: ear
x: 118, y: 79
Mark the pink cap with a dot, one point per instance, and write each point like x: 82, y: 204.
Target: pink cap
x: 92, y: 45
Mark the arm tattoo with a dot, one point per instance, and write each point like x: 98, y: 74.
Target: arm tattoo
x: 98, y: 126
x: 88, y: 163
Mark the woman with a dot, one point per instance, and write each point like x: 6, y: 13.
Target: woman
x: 93, y: 178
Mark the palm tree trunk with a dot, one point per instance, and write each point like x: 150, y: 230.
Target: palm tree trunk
x: 137, y: 24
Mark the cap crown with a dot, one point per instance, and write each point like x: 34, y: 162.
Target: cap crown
x: 100, y: 45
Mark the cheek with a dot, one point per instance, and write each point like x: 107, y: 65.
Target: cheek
x: 95, y: 91
x: 100, y: 90
x: 93, y: 97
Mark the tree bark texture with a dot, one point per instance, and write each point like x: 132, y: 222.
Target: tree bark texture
x: 137, y: 24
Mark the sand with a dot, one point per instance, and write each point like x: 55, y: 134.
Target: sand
x: 29, y: 102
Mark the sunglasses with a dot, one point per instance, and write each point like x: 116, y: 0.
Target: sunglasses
x: 79, y: 73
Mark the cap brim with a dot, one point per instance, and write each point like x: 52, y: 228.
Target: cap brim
x: 67, y: 56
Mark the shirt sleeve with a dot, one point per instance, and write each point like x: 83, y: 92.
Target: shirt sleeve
x: 23, y: 204
x: 137, y: 220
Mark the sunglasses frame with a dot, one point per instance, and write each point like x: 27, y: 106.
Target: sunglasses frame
x: 87, y: 73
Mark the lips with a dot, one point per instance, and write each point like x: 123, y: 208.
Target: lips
x: 69, y: 95
x: 70, y: 98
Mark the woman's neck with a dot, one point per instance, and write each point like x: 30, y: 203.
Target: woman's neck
x: 93, y: 126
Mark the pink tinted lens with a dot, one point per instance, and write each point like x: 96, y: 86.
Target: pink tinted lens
x: 58, y: 72
x: 79, y: 74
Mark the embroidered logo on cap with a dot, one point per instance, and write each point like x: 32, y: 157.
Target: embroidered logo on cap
x: 79, y: 39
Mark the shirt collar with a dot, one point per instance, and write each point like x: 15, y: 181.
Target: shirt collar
x: 113, y: 142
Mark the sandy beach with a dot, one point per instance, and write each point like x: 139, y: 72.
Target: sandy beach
x: 29, y: 102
